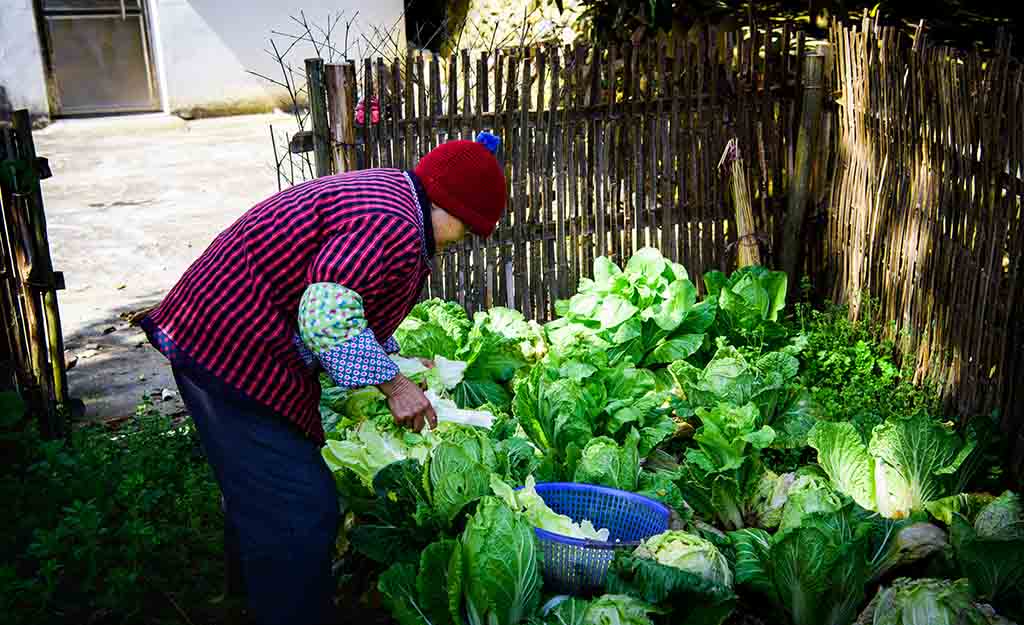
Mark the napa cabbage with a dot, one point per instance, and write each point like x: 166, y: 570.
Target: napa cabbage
x: 990, y: 552
x: 498, y: 565
x: 646, y: 313
x: 908, y: 463
x: 926, y: 602
x: 679, y: 570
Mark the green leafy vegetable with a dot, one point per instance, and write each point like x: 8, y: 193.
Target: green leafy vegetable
x: 367, y: 448
x: 749, y: 302
x: 797, y: 411
x: 459, y: 471
x: 511, y: 324
x: 605, y: 463
x: 492, y: 361
x: 569, y: 399
x: 727, y: 458
x: 399, y: 521
x: 618, y: 610
x: 752, y: 548
x: 679, y: 570
x: 397, y: 587
x: 500, y: 573
x: 661, y: 486
x: 434, y: 328
x: 817, y: 569
x: 725, y: 435
x: 768, y: 383
x: 687, y: 552
x: 909, y: 462
x: 563, y: 610
x: 490, y: 349
x: 967, y: 504
x: 433, y: 584
x: 539, y: 514
x: 419, y: 596
x: 925, y: 602
x: 559, y: 411
x: 517, y: 459
x: 707, y: 406
x: 808, y: 493
x: 768, y: 498
x: 603, y: 610
x: 815, y: 572
x: 1002, y: 518
x: 901, y: 542
x: 448, y: 412
x: 646, y: 313
x: 991, y: 553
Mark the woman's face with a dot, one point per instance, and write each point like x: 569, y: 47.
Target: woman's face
x: 447, y: 228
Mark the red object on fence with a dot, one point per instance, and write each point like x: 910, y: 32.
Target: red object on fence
x: 374, y: 111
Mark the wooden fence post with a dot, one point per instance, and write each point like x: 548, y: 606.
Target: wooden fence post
x: 32, y: 272
x: 47, y: 279
x: 14, y: 335
x: 341, y: 85
x: 791, y: 245
x: 318, y: 115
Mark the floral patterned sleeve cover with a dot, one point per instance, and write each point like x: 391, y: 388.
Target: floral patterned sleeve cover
x: 333, y: 326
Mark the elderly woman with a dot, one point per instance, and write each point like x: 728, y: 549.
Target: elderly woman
x: 316, y: 277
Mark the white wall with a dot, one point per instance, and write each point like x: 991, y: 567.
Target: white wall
x: 21, y: 61
x: 204, y: 47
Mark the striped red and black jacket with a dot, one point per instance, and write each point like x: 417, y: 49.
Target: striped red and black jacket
x: 233, y: 314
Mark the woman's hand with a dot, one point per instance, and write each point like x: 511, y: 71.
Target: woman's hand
x: 408, y: 404
x: 427, y: 362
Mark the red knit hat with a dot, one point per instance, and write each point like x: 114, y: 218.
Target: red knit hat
x: 464, y: 178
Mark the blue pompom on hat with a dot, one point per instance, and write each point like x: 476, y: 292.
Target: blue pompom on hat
x: 490, y: 141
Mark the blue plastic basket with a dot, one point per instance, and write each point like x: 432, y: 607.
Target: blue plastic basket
x: 577, y: 566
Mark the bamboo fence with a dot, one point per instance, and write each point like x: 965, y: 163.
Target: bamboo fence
x: 28, y: 283
x: 605, y: 150
x: 924, y: 214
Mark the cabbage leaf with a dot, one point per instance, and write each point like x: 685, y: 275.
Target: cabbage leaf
x: 990, y: 552
x: 681, y: 571
x: 908, y: 463
x: 498, y: 564
x: 540, y: 515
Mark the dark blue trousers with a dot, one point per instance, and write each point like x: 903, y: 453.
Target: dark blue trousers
x: 280, y: 504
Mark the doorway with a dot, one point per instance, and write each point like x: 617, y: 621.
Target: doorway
x: 99, y: 57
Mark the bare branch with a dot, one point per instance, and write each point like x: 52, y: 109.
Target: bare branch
x: 305, y: 26
x: 267, y: 78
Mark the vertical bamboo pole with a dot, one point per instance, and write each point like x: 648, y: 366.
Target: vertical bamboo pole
x: 477, y: 123
x: 484, y: 261
x: 340, y: 80
x: 41, y: 287
x: 9, y: 282
x: 8, y: 363
x: 40, y: 392
x: 318, y: 115
x: 370, y: 142
x: 799, y: 192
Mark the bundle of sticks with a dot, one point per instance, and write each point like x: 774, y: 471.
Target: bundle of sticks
x: 731, y: 165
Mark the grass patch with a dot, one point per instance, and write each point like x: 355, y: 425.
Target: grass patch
x: 112, y: 527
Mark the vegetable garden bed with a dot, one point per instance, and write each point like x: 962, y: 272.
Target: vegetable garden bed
x: 805, y: 476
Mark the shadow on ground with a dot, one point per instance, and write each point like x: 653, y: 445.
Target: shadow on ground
x: 116, y: 368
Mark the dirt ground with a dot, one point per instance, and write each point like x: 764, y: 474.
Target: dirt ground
x: 132, y: 202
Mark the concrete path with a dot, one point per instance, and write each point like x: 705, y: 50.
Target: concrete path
x: 132, y: 202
